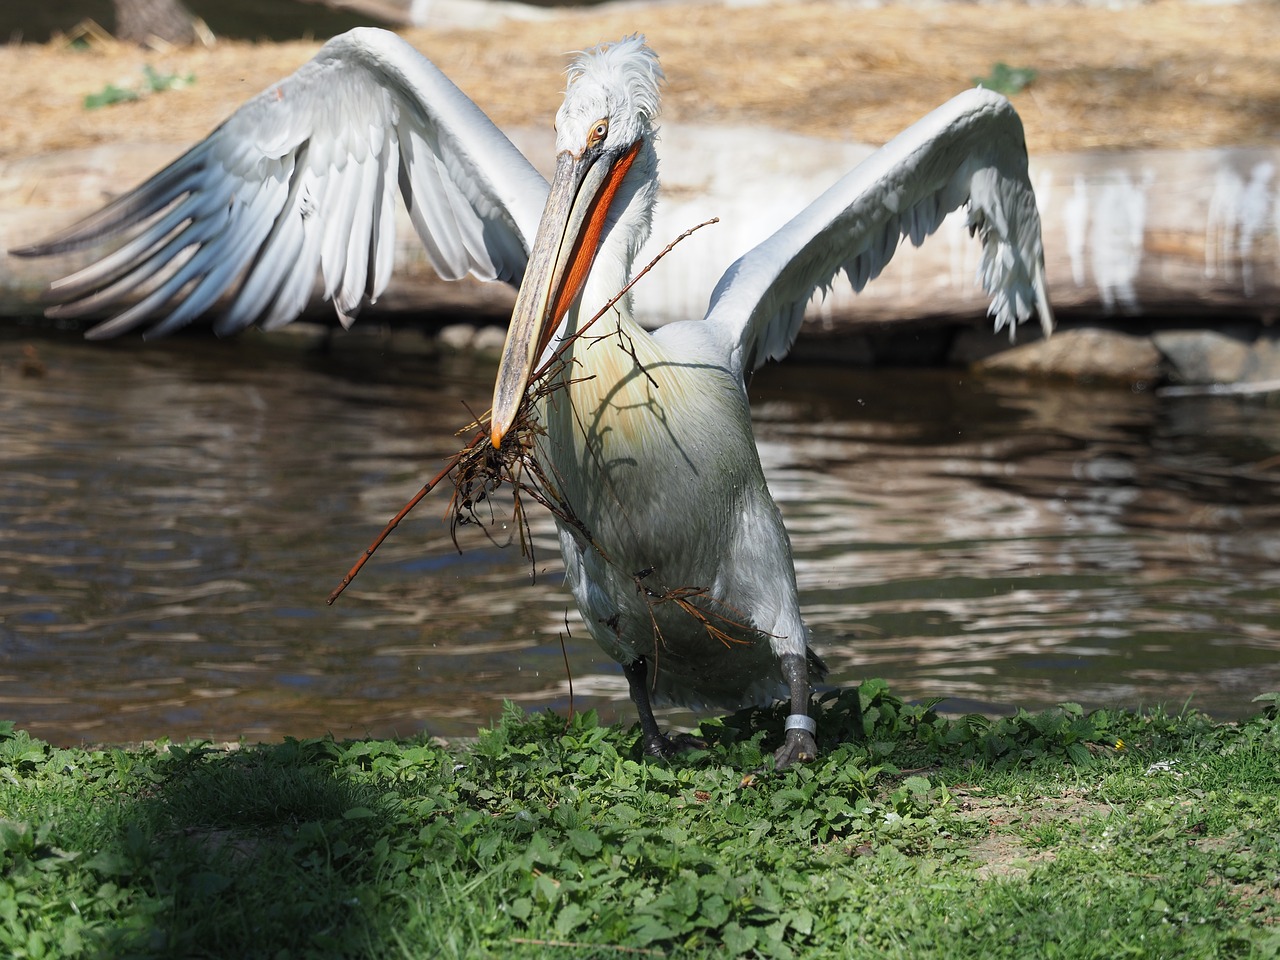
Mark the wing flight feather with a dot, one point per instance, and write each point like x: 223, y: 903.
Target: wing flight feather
x: 299, y: 183
x: 970, y: 150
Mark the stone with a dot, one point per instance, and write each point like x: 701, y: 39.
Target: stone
x: 457, y: 336
x: 1082, y: 353
x: 1204, y: 356
x: 490, y: 339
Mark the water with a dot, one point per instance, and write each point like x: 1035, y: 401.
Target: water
x: 173, y: 515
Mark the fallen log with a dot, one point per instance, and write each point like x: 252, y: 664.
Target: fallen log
x: 1130, y: 237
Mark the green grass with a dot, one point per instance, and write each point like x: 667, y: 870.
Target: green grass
x: 152, y: 82
x: 1006, y: 79
x: 1031, y: 836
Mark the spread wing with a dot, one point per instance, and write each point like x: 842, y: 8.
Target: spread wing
x: 970, y: 150
x: 300, y: 182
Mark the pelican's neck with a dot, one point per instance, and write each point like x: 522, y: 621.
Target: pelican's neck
x: 627, y: 228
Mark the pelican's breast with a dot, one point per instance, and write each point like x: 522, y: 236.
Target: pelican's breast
x: 651, y: 451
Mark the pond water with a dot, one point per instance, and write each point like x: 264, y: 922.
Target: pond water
x: 173, y: 515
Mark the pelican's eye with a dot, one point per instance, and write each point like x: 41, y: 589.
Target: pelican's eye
x: 598, y: 133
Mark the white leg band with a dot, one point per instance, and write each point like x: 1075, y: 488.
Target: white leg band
x: 800, y: 721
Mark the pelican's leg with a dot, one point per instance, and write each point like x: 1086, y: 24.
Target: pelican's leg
x: 799, y: 744
x: 637, y: 674
x: 656, y: 744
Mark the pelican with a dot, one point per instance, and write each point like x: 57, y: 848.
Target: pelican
x: 674, y: 549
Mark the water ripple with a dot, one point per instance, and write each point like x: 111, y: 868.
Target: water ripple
x: 172, y: 517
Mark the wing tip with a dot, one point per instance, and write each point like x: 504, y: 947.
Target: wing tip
x: 29, y: 251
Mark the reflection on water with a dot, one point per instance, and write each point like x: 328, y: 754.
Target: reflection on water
x: 172, y: 517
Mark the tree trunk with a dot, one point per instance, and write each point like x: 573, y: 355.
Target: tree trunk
x: 144, y: 21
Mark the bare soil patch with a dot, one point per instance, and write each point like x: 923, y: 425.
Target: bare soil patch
x: 1002, y: 852
x: 1163, y: 75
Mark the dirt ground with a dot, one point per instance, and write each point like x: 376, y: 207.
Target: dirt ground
x: 1166, y: 74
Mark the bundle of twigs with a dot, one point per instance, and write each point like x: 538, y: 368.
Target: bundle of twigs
x: 479, y: 469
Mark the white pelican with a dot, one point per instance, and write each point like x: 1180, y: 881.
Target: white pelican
x: 679, y: 561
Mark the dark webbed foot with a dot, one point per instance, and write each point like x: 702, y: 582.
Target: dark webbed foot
x: 798, y: 747
x: 656, y: 743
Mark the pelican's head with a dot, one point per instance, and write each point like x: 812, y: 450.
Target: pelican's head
x: 605, y: 177
x: 614, y: 83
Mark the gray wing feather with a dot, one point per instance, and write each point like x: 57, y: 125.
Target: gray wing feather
x: 300, y: 183
x: 970, y: 150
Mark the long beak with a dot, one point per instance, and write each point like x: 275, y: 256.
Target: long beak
x: 568, y: 239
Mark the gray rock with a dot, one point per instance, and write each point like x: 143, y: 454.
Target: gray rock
x: 1204, y: 356
x: 1081, y: 353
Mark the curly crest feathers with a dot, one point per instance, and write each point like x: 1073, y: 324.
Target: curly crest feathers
x: 618, y: 80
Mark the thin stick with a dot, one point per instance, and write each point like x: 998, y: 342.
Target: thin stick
x: 404, y: 511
